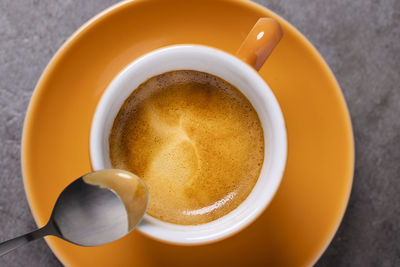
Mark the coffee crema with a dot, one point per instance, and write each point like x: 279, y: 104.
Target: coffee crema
x: 195, y: 140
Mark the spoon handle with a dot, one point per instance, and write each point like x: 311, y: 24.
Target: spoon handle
x: 14, y: 243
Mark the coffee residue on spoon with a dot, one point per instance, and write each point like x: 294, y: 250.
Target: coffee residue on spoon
x: 128, y: 187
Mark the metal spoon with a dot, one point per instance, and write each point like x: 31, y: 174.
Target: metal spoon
x: 93, y: 210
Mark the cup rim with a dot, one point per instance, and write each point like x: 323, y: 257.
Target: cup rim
x: 279, y: 124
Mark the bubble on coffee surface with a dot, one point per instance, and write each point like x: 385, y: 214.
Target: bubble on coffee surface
x: 195, y: 140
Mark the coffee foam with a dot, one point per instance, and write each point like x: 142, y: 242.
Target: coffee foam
x: 195, y: 140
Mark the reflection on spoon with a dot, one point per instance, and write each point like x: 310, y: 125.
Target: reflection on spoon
x: 130, y: 189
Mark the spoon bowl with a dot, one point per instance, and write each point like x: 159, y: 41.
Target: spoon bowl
x: 93, y: 210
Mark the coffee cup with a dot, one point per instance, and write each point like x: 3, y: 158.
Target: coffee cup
x: 239, y: 70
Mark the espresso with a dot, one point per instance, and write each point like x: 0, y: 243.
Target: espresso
x: 195, y: 140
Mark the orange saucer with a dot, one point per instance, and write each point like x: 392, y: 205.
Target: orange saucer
x: 305, y: 213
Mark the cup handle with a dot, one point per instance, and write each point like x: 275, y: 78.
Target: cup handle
x: 260, y: 42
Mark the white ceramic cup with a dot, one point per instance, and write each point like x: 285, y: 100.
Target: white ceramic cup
x: 243, y: 77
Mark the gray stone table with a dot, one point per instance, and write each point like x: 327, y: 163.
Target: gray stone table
x: 360, y: 40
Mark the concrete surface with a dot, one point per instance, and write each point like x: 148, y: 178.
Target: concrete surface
x: 360, y: 40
